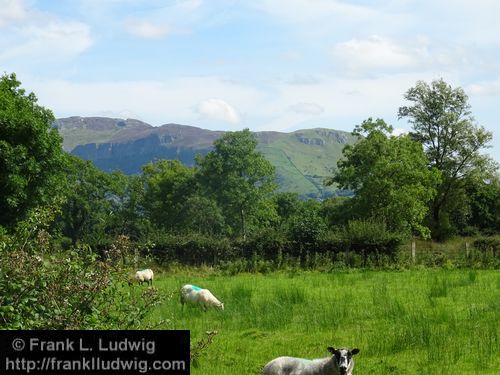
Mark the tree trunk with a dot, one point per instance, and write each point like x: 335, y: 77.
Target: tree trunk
x: 243, y: 227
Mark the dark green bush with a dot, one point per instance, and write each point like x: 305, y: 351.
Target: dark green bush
x: 192, y: 249
x: 488, y: 244
x: 266, y: 244
x: 370, y: 238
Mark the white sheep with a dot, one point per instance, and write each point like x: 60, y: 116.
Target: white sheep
x: 195, y: 295
x: 142, y: 276
x: 340, y: 363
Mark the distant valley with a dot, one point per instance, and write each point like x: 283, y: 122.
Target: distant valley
x: 303, y: 159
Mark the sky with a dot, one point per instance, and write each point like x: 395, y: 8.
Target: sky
x: 278, y: 65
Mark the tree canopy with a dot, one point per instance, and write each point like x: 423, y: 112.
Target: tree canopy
x: 389, y: 177
x: 441, y: 120
x: 237, y: 176
x: 31, y: 155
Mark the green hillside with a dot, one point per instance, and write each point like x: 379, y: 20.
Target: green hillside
x: 303, y: 159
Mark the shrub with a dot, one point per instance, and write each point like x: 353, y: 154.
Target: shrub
x: 368, y: 237
x: 266, y: 244
x: 76, y: 289
x: 192, y: 249
x: 488, y: 244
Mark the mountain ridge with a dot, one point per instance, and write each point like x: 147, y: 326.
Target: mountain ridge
x: 302, y: 158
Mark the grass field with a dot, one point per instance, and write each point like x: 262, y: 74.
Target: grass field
x: 411, y: 322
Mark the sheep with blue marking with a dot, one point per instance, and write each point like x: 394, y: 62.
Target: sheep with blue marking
x: 143, y: 276
x: 340, y: 363
x: 194, y: 295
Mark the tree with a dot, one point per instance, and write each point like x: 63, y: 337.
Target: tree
x: 442, y: 122
x: 168, y: 185
x: 31, y: 155
x: 237, y: 177
x: 87, y: 204
x: 287, y: 205
x: 484, y: 196
x: 389, y: 177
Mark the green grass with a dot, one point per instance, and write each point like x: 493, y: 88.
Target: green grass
x: 412, y: 322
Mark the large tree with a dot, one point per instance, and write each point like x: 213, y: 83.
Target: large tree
x: 87, y: 204
x: 238, y: 177
x: 31, y: 155
x: 168, y: 185
x: 484, y: 197
x: 389, y: 177
x: 442, y: 122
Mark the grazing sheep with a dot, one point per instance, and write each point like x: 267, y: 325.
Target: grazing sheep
x: 340, y: 363
x: 195, y: 295
x: 142, y: 276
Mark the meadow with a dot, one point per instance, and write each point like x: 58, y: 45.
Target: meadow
x: 420, y: 321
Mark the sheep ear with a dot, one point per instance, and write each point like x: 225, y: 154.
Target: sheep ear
x: 331, y: 349
x: 354, y: 351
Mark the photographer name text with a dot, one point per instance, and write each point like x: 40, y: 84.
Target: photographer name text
x: 68, y: 345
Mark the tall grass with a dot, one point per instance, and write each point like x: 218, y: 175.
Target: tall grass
x: 412, y: 322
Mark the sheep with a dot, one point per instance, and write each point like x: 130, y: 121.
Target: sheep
x: 340, y: 363
x: 195, y: 295
x: 142, y: 276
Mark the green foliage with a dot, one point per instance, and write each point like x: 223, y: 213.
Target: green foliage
x: 287, y: 205
x: 389, y: 177
x: 265, y: 244
x: 370, y: 237
x: 307, y: 226
x: 168, y: 184
x: 237, y: 177
x: 488, y: 244
x: 41, y: 288
x: 127, y: 214
x: 484, y: 198
x: 443, y: 124
x: 191, y: 249
x: 202, y: 215
x: 31, y: 155
x: 86, y: 204
x: 336, y: 211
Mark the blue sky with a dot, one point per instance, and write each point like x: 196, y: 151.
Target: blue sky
x: 262, y: 64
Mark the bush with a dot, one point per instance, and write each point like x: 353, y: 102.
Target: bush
x: 488, y: 244
x: 192, y: 249
x: 370, y: 238
x: 266, y: 244
x: 45, y: 289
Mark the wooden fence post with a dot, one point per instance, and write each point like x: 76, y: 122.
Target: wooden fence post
x: 413, y: 250
x: 467, y: 249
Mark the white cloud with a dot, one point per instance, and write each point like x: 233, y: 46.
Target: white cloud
x: 377, y: 55
x: 50, y: 41
x: 484, y: 88
x: 378, y: 52
x: 219, y: 110
x: 307, y: 108
x: 28, y: 34
x: 146, y: 29
x: 399, y: 131
x: 11, y: 11
x: 182, y: 100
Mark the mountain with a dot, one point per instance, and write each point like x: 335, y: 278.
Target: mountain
x: 303, y: 159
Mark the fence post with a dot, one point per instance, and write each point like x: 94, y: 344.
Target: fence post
x: 413, y: 250
x: 467, y: 249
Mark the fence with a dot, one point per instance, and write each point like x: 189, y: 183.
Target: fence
x: 458, y: 252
